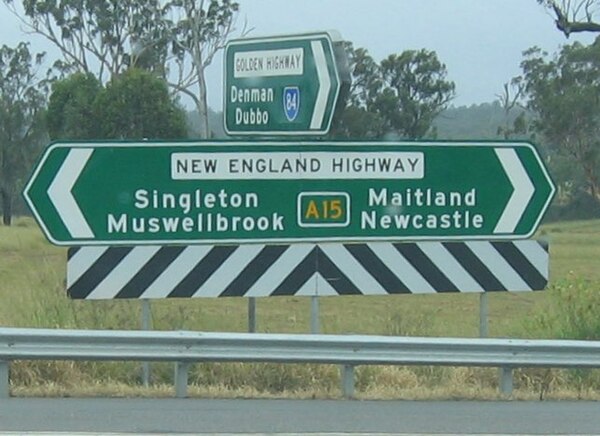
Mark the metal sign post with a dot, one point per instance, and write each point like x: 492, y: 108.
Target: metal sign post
x: 252, y: 315
x: 146, y: 325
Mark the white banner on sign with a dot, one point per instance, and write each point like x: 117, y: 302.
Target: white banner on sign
x: 286, y: 165
x: 268, y: 63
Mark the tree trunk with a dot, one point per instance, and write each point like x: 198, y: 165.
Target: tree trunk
x: 592, y: 179
x: 203, y: 106
x: 6, y: 208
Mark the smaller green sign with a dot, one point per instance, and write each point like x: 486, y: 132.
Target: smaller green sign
x: 288, y: 85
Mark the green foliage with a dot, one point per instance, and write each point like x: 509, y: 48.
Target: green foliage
x: 70, y: 113
x: 22, y: 99
x: 564, y: 93
x: 355, y: 122
x: 134, y: 105
x: 137, y: 105
x: 200, y: 32
x: 366, y: 79
x: 572, y: 312
x: 399, y: 97
x: 107, y: 37
x: 203, y: 23
x: 415, y: 91
x: 571, y: 204
x: 102, y: 37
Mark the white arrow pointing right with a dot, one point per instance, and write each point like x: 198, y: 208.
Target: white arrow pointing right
x: 62, y: 198
x: 523, y: 190
x: 324, y: 85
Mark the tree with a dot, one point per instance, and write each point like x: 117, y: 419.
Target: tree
x: 415, y: 91
x: 201, y: 29
x: 366, y: 78
x: 137, y: 105
x: 102, y: 37
x: 572, y: 16
x: 358, y: 119
x: 401, y: 96
x: 175, y: 39
x: 564, y: 93
x: 70, y: 112
x: 510, y: 101
x: 22, y: 101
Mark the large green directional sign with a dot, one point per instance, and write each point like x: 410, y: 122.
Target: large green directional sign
x: 232, y: 192
x: 286, y: 85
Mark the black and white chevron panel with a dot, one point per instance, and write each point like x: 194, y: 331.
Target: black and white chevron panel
x: 376, y: 268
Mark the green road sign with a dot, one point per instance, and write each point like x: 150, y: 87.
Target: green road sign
x: 287, y: 85
x: 232, y: 192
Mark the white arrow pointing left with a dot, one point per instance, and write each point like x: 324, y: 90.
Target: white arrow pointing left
x: 62, y: 198
x: 523, y: 190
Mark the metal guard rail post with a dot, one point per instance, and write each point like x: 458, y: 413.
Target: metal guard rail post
x: 183, y: 348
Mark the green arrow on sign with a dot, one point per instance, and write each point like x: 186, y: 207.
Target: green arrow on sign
x: 234, y: 192
x: 287, y: 85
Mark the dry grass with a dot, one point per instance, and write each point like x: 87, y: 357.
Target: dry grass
x: 385, y: 383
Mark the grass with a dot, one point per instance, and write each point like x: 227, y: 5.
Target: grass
x: 574, y: 249
x: 32, y: 294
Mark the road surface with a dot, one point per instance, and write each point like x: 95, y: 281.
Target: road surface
x: 298, y: 416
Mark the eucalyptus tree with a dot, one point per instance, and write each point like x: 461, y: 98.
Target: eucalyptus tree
x: 175, y: 39
x: 366, y: 79
x: 132, y: 105
x: 358, y: 118
x: 102, y: 37
x: 399, y: 97
x: 511, y: 102
x: 573, y: 16
x: 138, y: 105
x: 415, y: 91
x: 22, y: 102
x: 70, y: 113
x: 564, y: 93
x: 200, y: 29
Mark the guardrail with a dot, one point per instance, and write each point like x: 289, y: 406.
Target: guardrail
x: 184, y: 348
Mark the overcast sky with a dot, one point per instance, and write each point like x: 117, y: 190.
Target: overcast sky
x: 480, y: 41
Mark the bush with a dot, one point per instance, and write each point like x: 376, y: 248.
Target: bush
x: 572, y: 312
x: 581, y: 207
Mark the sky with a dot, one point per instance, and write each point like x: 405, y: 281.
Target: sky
x: 480, y: 41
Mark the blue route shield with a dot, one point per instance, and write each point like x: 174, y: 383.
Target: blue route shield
x: 291, y: 102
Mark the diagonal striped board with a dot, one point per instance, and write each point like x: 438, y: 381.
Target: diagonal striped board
x: 376, y: 268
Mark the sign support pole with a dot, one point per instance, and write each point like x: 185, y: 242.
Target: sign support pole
x: 252, y: 315
x: 4, y: 380
x: 314, y: 314
x: 483, y: 315
x: 146, y: 325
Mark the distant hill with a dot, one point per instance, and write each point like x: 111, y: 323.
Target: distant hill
x: 478, y: 121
